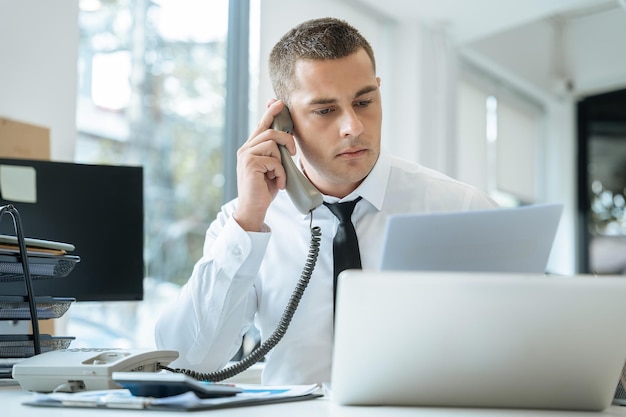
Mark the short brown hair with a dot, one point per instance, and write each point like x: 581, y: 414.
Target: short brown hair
x: 316, y: 39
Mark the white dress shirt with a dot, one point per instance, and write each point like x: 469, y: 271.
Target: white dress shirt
x: 246, y: 278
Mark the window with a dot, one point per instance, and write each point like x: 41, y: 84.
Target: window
x: 500, y: 133
x: 152, y: 92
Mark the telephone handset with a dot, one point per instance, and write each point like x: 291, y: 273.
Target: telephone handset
x: 302, y: 193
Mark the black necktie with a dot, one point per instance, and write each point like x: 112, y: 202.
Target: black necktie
x: 346, y: 253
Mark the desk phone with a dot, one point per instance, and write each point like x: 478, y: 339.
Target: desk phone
x: 71, y: 370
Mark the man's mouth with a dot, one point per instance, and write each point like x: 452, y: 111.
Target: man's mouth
x: 352, y: 153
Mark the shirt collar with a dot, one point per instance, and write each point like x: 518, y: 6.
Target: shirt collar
x: 374, y: 185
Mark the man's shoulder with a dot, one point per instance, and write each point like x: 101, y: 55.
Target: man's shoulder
x: 422, y: 183
x: 410, y: 168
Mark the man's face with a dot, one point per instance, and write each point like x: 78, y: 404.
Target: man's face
x: 337, y: 114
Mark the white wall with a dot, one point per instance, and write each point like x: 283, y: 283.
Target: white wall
x: 596, y: 52
x: 588, y: 50
x: 38, y: 73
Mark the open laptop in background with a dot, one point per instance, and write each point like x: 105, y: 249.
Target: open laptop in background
x: 499, y: 240
x: 457, y: 339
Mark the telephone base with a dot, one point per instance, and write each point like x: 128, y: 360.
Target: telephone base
x: 70, y: 370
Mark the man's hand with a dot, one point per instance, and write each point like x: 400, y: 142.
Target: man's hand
x: 259, y: 172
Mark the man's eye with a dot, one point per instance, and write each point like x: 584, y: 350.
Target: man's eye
x: 323, y: 111
x: 363, y: 103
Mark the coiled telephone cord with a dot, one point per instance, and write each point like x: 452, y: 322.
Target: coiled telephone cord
x: 262, y: 350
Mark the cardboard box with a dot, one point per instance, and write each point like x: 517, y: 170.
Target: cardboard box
x: 26, y: 141
x: 23, y: 140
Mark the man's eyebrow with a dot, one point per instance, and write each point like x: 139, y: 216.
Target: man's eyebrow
x: 359, y: 93
x: 366, y: 90
x: 317, y: 101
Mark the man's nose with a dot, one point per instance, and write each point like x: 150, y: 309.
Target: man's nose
x: 351, y: 124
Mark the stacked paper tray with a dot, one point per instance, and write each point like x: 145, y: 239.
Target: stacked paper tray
x: 40, y: 266
x: 15, y: 307
x: 22, y: 345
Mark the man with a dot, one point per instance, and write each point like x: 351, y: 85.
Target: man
x: 254, y: 252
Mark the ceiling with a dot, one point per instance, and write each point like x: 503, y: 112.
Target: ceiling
x: 470, y: 20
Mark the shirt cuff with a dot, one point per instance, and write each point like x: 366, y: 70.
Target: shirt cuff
x: 241, y: 252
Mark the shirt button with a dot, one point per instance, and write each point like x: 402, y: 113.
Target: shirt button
x: 237, y: 251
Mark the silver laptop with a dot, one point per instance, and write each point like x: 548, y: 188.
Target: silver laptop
x: 498, y: 240
x: 478, y: 340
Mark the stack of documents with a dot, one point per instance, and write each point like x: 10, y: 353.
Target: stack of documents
x: 35, y: 246
x: 123, y: 399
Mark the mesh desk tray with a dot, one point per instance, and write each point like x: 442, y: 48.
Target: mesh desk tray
x: 15, y: 307
x: 22, y: 345
x: 40, y: 266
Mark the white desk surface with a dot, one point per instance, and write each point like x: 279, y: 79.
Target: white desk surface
x: 11, y: 398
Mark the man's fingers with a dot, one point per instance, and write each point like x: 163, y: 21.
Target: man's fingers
x: 267, y: 118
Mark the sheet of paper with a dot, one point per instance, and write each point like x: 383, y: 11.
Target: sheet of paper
x: 122, y: 398
x: 515, y: 239
x: 18, y: 183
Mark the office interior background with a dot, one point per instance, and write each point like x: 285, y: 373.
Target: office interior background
x: 524, y: 99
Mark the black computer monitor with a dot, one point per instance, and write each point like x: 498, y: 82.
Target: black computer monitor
x: 98, y: 209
